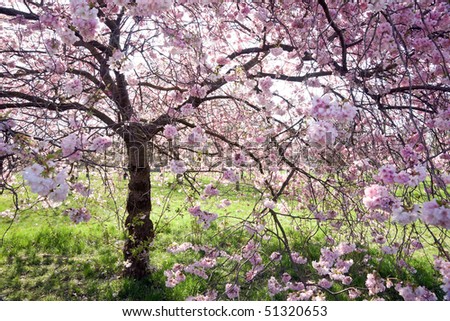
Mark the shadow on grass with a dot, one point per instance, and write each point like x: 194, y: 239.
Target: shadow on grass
x: 68, y: 264
x: 54, y: 277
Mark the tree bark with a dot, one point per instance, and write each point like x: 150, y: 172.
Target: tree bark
x: 138, y: 225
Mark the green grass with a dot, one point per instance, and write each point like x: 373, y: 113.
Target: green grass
x: 44, y: 256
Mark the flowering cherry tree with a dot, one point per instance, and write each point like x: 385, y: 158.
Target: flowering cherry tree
x: 338, y: 111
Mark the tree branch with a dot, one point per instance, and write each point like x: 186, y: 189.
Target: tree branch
x: 14, y: 13
x: 43, y: 103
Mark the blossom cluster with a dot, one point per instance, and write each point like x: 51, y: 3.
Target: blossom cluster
x: 239, y: 158
x: 265, y: 84
x: 321, y: 132
x: 6, y: 149
x: 52, y: 21
x: 250, y: 252
x: 230, y: 175
x: 170, y: 131
x: 436, y: 214
x: 198, y: 91
x: 298, y: 291
x: 196, y: 136
x: 81, y: 189
x: 49, y: 20
x: 332, y: 265
x: 78, y: 215
x: 149, y: 7
x: 187, y: 109
x: 408, y: 293
x: 210, y: 190
x: 8, y: 214
x: 54, y: 188
x: 325, y: 108
x: 208, y: 296
x: 378, y: 5
x: 375, y: 284
x: 267, y: 203
x: 52, y: 45
x: 55, y: 65
x: 444, y: 269
x: 67, y: 35
x: 119, y: 62
x: 100, y: 144
x: 177, y: 167
x: 404, y: 215
x: 378, y: 197
x: 441, y: 121
x: 70, y: 146
x: 232, y: 290
x: 175, y: 248
x: 199, y: 268
x: 410, y: 177
x: 84, y: 18
x: 203, y: 217
x: 73, y: 87
x: 297, y: 258
x: 254, y: 228
x: 175, y: 275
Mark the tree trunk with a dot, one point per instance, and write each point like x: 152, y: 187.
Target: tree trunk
x: 138, y: 225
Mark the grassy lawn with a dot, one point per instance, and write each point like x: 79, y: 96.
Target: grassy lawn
x: 44, y: 256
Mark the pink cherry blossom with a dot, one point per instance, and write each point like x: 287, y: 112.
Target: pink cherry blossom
x: 174, y: 277
x: 443, y: 267
x: 322, y: 133
x: 324, y: 283
x: 67, y: 35
x: 203, y: 217
x: 239, y: 159
x: 73, y: 87
x: 232, y: 290
x: 297, y: 258
x: 210, y: 190
x: 418, y: 294
x: 208, y: 296
x: 403, y: 216
x: 269, y: 204
x: 434, y: 214
x: 170, y: 131
x: 196, y: 136
x: 177, y: 167
x: 230, y: 175
x: 274, y: 287
x: 100, y: 144
x: 84, y: 18
x: 6, y: 149
x: 78, y: 215
x: 275, y: 256
x: 198, y: 91
x: 187, y: 109
x: 387, y: 174
x: 266, y: 83
x: 70, y: 146
x: 375, y: 284
x: 377, y: 197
